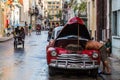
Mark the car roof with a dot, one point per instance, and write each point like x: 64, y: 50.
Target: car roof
x: 58, y: 28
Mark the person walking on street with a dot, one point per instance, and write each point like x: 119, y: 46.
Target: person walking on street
x: 26, y: 28
x: 49, y: 34
x: 30, y: 29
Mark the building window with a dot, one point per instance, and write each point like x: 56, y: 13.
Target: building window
x: 118, y: 23
x: 57, y: 2
x: 93, y: 3
x: 49, y: 2
x: 49, y: 6
x: 57, y: 6
x: 53, y: 2
x: 53, y: 17
x: 53, y: 12
x: 53, y: 6
x: 57, y: 12
x: 115, y: 23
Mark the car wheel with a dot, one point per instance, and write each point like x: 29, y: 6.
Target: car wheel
x: 15, y: 45
x: 8, y: 34
x: 94, y: 73
x: 23, y: 44
x: 51, y: 71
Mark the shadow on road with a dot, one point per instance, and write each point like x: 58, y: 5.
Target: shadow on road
x: 19, y: 50
x: 19, y: 56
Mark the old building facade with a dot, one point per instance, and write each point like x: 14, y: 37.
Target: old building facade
x: 53, y: 10
x: 91, y: 15
x: 99, y: 19
x: 115, y: 21
x: 10, y: 15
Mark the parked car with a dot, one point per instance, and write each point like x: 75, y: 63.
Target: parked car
x: 52, y: 34
x: 67, y: 51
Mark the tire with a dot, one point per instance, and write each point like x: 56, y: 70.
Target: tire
x: 40, y: 32
x: 15, y: 45
x: 23, y: 44
x: 52, y: 71
x: 8, y: 34
x: 94, y: 73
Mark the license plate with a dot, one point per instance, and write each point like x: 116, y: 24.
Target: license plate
x: 74, y: 66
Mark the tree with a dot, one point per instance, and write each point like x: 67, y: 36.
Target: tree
x: 83, y: 6
x: 80, y: 7
x: 50, y: 16
x: 59, y: 15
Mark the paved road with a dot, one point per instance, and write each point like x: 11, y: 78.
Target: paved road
x: 29, y: 63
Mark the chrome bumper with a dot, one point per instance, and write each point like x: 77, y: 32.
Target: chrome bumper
x: 69, y: 65
x: 74, y: 62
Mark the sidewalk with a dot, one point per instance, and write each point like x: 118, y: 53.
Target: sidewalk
x: 2, y: 39
x: 115, y: 69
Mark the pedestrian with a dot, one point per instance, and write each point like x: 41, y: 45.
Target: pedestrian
x: 104, y: 59
x: 49, y: 34
x: 108, y: 47
x: 57, y: 25
x: 26, y: 28
x: 30, y: 29
x: 103, y: 55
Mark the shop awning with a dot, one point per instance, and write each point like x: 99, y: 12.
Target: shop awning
x: 9, y: 2
x: 21, y: 2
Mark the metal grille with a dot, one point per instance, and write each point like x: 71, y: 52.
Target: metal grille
x: 66, y: 60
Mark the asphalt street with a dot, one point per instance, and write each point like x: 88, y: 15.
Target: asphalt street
x: 30, y: 63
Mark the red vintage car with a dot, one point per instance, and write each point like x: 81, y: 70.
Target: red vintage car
x: 68, y: 52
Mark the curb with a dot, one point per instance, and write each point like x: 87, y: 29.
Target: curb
x: 2, y: 39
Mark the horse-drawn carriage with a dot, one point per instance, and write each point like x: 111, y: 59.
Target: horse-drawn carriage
x: 19, y: 37
x: 18, y: 40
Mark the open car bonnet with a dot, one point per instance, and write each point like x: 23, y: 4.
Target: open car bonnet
x: 75, y: 26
